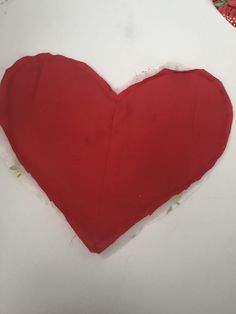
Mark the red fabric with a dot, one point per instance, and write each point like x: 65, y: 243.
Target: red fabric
x: 108, y: 160
x: 227, y: 9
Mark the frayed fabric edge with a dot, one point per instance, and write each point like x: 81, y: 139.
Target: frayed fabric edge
x: 150, y: 71
x: 10, y: 160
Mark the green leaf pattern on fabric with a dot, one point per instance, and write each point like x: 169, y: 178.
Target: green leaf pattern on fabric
x: 219, y: 3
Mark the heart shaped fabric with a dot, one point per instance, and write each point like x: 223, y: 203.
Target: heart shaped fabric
x: 108, y: 160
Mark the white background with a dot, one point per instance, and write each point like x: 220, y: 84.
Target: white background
x: 181, y: 263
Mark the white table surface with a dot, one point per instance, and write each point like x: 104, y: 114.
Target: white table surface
x: 180, y: 263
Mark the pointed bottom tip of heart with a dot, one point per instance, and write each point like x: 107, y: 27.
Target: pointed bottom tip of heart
x: 96, y: 249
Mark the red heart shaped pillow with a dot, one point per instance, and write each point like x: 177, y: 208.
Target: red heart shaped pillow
x: 107, y: 160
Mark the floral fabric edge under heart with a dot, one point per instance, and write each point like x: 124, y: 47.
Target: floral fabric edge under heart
x: 228, y: 9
